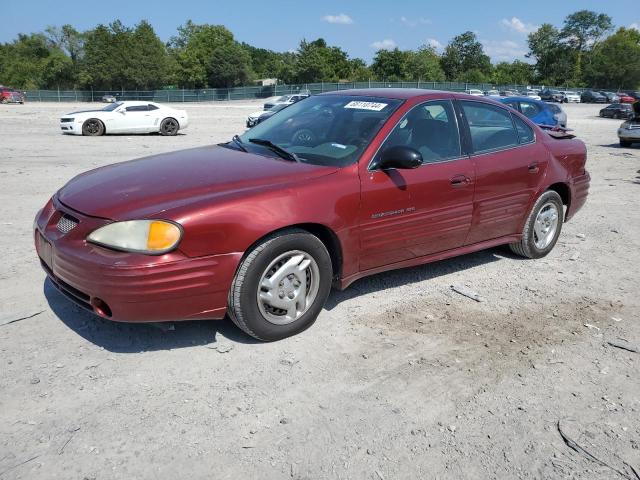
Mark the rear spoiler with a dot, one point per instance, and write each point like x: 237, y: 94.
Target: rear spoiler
x: 558, y: 132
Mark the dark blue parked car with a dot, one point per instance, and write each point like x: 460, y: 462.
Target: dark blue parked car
x: 537, y: 111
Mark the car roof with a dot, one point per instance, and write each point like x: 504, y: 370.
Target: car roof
x: 131, y: 103
x: 391, y: 93
x: 528, y: 99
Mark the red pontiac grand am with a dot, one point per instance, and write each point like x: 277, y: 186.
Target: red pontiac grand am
x: 336, y: 187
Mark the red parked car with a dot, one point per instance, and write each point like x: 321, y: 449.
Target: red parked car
x: 625, y: 98
x: 335, y: 187
x: 10, y: 95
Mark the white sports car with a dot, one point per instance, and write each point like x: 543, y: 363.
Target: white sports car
x: 125, y: 117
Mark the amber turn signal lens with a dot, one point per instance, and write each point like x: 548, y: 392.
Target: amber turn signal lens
x: 162, y: 236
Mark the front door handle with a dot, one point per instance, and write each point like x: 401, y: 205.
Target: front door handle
x: 460, y: 180
x: 533, y: 168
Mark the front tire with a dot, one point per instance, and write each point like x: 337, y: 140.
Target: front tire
x: 625, y: 143
x: 542, y: 228
x: 92, y: 128
x: 281, y: 286
x: 169, y: 127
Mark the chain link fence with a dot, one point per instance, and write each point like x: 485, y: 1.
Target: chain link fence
x: 252, y: 92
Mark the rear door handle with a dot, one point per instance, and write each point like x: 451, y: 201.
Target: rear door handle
x: 533, y: 168
x: 460, y: 180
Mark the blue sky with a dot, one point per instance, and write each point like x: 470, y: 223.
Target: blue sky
x: 357, y: 26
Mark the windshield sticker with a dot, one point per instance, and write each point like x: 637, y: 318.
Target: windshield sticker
x: 375, y: 106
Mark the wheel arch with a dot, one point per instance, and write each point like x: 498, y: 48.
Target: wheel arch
x: 104, y: 125
x: 172, y: 118
x: 326, y: 235
x: 563, y: 190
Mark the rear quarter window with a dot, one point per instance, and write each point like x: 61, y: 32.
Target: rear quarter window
x: 525, y: 132
x: 490, y: 126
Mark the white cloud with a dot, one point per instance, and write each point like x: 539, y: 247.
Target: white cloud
x: 386, y: 44
x: 504, y: 50
x: 415, y: 22
x: 635, y: 25
x: 342, y: 19
x: 519, y: 26
x: 432, y: 42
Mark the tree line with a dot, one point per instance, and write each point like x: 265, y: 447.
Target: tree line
x: 584, y: 51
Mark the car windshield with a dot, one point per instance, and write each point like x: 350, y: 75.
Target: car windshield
x: 570, y: 93
x: 331, y: 130
x: 111, y: 107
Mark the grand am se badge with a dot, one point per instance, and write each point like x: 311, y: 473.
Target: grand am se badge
x: 393, y: 212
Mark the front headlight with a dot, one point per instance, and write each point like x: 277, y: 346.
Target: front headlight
x: 152, y: 237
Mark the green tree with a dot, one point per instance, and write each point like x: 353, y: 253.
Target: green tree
x: 581, y: 31
x: 424, y: 64
x: 555, y: 61
x: 465, y: 54
x: 358, y: 70
x: 31, y: 62
x: 229, y: 66
x: 514, y: 73
x: 116, y: 56
x: 208, y: 55
x: 584, y: 28
x: 390, y: 65
x: 615, y: 62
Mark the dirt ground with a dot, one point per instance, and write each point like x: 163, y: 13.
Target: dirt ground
x: 400, y: 377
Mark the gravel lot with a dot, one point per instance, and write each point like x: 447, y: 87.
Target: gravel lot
x: 399, y: 378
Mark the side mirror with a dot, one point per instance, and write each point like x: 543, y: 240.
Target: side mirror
x: 123, y: 111
x: 400, y: 156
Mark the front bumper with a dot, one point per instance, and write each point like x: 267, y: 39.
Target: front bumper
x: 130, y: 287
x: 629, y: 134
x: 74, y: 127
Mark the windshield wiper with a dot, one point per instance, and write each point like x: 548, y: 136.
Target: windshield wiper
x: 275, y: 148
x: 236, y: 139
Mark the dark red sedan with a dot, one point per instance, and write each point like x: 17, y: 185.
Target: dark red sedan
x: 333, y: 188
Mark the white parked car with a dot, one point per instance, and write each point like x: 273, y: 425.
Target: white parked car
x: 285, y: 100
x: 629, y: 132
x: 125, y: 117
x: 492, y: 93
x: 532, y: 94
x: 474, y: 92
x: 571, y: 97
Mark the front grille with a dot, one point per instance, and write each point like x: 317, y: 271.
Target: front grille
x: 66, y: 223
x: 66, y: 120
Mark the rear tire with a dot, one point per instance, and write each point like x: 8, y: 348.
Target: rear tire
x: 541, y: 230
x: 271, y: 301
x: 92, y: 128
x: 169, y: 127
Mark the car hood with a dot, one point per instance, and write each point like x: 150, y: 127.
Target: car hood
x: 77, y: 112
x: 150, y: 186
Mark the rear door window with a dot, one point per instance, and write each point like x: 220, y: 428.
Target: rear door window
x: 491, y: 127
x: 525, y: 132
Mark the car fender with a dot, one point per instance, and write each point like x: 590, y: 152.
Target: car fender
x: 234, y: 222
